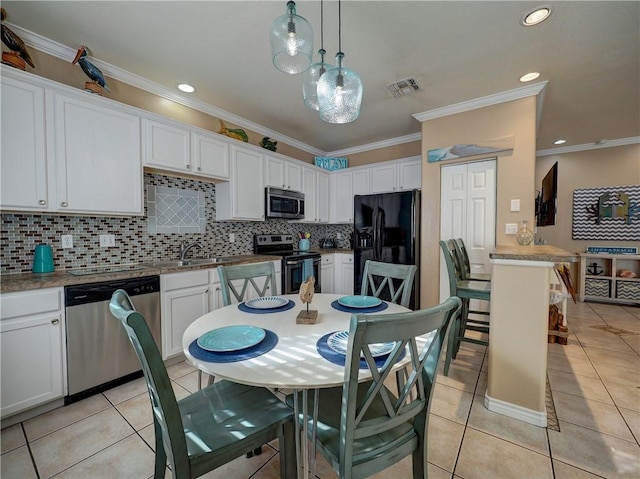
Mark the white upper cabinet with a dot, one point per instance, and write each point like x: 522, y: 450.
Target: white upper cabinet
x: 323, y: 197
x: 344, y: 186
x: 400, y: 175
x: 282, y: 173
x: 310, y: 189
x: 66, y: 151
x: 166, y: 145
x: 242, y: 198
x: 180, y: 148
x: 24, y: 147
x: 210, y: 153
x: 97, y: 158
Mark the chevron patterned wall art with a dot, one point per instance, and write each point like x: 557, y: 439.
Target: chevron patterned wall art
x: 611, y: 213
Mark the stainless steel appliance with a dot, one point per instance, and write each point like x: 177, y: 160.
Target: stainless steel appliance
x: 328, y: 243
x: 281, y: 203
x: 292, y: 260
x: 387, y: 229
x: 99, y: 354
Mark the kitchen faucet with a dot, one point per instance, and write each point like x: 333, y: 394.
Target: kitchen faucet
x: 185, y: 247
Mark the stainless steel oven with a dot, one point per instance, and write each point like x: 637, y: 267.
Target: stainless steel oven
x: 281, y: 203
x: 294, y: 262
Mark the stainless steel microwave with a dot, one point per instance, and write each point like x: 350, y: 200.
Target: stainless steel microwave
x: 281, y: 203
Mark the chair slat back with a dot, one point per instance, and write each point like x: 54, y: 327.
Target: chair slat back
x: 453, y: 271
x: 379, y: 277
x: 363, y: 418
x: 166, y: 414
x: 240, y: 280
x: 463, y: 256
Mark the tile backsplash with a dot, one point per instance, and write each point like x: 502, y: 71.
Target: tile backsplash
x: 20, y: 233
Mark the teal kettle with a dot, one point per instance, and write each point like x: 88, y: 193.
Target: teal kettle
x: 43, y: 259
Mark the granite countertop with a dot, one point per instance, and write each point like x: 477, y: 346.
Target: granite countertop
x: 27, y: 281
x: 332, y: 250
x: 534, y: 253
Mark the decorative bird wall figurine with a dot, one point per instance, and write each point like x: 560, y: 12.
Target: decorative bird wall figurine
x: 19, y: 53
x: 97, y: 78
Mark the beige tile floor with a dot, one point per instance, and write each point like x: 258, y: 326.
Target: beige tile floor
x: 595, y: 383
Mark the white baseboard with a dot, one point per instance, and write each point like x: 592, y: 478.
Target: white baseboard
x: 537, y: 418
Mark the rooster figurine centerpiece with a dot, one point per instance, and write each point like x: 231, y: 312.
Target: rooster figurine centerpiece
x: 97, y: 82
x: 18, y: 54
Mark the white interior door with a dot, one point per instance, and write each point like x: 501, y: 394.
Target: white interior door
x: 468, y: 211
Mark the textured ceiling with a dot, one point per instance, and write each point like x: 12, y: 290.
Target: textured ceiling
x: 588, y: 52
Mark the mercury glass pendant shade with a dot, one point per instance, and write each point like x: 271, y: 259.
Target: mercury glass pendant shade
x: 310, y: 82
x: 291, y: 42
x: 339, y: 94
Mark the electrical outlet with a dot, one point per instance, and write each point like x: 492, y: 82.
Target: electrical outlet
x: 67, y: 241
x: 232, y: 237
x: 107, y: 241
x: 510, y: 228
x: 338, y: 235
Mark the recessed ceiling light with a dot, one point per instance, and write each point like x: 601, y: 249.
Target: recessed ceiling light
x: 559, y: 142
x: 529, y: 76
x: 185, y: 87
x: 535, y: 16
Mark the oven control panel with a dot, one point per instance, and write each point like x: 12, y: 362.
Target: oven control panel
x: 270, y: 240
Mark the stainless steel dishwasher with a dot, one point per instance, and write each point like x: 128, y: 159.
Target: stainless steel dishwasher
x: 99, y: 354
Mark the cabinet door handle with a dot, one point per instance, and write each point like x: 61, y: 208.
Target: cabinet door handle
x: 218, y: 288
x: 64, y: 204
x: 199, y: 169
x: 207, y: 290
x: 42, y: 202
x: 55, y: 321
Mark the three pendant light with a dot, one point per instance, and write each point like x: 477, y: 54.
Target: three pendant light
x: 336, y: 92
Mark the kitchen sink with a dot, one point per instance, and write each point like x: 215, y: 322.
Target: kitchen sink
x: 189, y: 262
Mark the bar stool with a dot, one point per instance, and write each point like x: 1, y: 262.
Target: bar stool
x: 465, y: 290
x: 466, y: 264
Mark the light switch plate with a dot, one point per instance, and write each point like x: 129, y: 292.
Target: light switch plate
x: 510, y: 228
x: 515, y: 205
x: 107, y: 241
x: 232, y: 237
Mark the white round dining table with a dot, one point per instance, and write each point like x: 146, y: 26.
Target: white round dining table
x: 294, y: 362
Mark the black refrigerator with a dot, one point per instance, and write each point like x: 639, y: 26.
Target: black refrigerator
x: 387, y: 228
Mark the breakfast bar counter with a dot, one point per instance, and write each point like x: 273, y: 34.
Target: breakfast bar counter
x: 520, y: 279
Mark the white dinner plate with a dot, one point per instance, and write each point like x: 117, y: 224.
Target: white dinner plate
x: 359, y: 301
x: 231, y: 338
x: 338, y: 342
x: 267, y: 302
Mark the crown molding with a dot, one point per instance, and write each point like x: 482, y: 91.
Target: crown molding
x: 66, y: 53
x: 588, y: 146
x: 377, y: 145
x: 489, y: 100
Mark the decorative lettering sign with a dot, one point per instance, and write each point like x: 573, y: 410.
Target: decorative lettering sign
x: 329, y: 163
x: 609, y: 213
x: 612, y: 249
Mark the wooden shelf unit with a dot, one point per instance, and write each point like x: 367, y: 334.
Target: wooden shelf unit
x: 608, y: 286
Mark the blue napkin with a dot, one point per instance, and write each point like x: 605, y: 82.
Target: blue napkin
x: 307, y: 269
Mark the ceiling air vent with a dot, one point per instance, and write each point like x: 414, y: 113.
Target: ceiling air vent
x: 403, y: 87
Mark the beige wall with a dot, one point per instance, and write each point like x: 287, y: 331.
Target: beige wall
x: 616, y: 166
x: 64, y: 72
x: 515, y: 174
x: 395, y: 152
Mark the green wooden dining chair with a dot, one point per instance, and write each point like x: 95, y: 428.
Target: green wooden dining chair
x: 465, y: 263
x: 388, y: 280
x: 466, y: 290
x: 238, y: 281
x: 212, y: 426
x: 365, y: 427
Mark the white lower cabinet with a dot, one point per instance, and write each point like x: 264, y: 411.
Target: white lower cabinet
x: 185, y: 297
x: 343, y: 264
x: 33, y: 349
x: 327, y: 273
